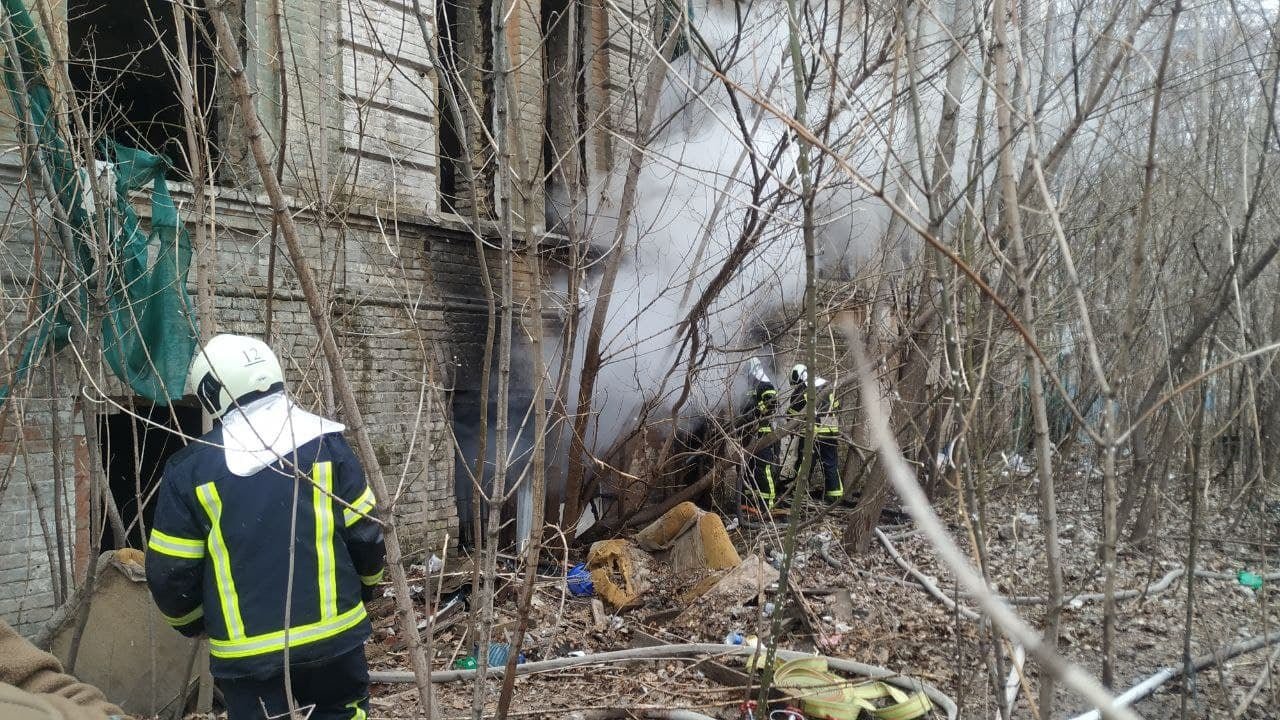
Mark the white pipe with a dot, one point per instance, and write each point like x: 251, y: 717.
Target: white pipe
x: 1014, y: 681
x: 942, y: 701
x: 1146, y: 687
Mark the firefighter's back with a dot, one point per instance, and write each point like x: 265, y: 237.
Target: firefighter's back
x: 276, y: 556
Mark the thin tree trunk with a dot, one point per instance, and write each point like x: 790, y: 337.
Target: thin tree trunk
x: 809, y: 430
x: 1193, y: 543
x: 539, y: 478
x: 454, y: 109
x: 202, y: 241
x: 503, y: 198
x: 226, y: 49
x: 282, y: 137
x: 576, y: 474
x: 1012, y: 228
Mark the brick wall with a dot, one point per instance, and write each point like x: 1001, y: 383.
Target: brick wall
x: 401, y: 280
x: 398, y: 327
x: 619, y: 51
x: 387, y: 90
x: 525, y: 84
x: 34, y: 479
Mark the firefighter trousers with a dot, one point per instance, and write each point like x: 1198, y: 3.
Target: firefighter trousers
x: 338, y: 689
x: 763, y: 472
x: 826, y: 451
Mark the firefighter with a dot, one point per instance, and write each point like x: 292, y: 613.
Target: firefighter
x: 271, y: 504
x: 826, y: 432
x: 762, y: 462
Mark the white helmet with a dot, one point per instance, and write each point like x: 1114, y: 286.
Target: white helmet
x: 230, y: 369
x: 757, y: 370
x: 799, y: 374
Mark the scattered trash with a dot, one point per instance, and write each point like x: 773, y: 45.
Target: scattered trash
x: 619, y: 572
x: 731, y: 525
x: 499, y: 653
x: 462, y: 595
x: 577, y: 653
x: 1016, y: 464
x: 840, y: 606
x: 736, y: 587
x: 1018, y: 526
x: 579, y: 581
x: 787, y: 713
x: 464, y: 663
x: 435, y: 564
x: 693, y: 540
x: 768, y: 609
x: 1251, y: 580
x: 747, y: 710
x: 598, y: 619
x: 450, y: 605
x: 734, y: 638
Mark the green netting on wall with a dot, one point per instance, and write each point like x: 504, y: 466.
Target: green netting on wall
x: 149, y: 324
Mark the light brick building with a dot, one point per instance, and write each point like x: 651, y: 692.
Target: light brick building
x: 373, y: 175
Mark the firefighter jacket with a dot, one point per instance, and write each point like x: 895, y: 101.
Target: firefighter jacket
x: 218, y: 558
x: 766, y: 401
x: 828, y: 404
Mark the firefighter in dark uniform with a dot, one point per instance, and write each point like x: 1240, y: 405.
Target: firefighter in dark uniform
x: 271, y: 504
x: 826, y: 435
x: 762, y: 462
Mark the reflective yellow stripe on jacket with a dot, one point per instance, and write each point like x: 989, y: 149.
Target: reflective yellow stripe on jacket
x: 359, y: 508
x: 174, y: 546
x: 322, y: 503
x: 827, y: 423
x: 208, y: 496
x: 299, y: 635
x: 189, y: 617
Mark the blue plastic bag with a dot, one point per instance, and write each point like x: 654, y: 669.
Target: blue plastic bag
x: 579, y: 580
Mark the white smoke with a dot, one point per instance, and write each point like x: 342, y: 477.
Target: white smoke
x: 694, y: 198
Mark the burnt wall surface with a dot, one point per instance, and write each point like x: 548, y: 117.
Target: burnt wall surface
x: 469, y: 319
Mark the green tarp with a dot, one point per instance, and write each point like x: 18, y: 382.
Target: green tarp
x: 149, y: 326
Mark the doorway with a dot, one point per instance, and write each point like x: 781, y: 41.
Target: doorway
x: 134, y: 449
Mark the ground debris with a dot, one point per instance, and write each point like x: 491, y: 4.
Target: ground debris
x: 863, y: 608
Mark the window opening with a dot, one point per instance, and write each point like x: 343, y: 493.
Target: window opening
x: 123, y: 69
